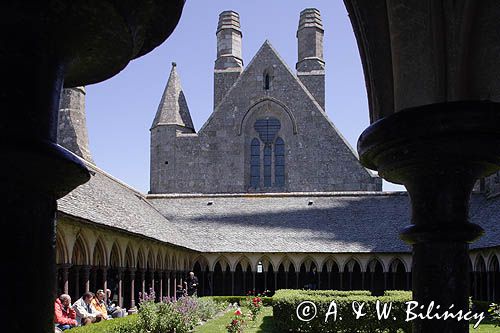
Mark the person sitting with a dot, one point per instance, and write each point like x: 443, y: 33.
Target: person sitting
x: 180, y: 292
x: 113, y: 310
x: 99, y: 304
x: 64, y: 315
x: 85, y: 312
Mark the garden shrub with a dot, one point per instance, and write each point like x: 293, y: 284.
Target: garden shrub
x: 267, y: 301
x: 285, y: 304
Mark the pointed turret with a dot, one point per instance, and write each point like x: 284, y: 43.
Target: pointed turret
x: 72, y: 131
x: 173, y: 108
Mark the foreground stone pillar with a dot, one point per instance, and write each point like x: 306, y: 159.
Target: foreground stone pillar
x: 438, y: 152
x: 119, y: 273
x: 65, y: 273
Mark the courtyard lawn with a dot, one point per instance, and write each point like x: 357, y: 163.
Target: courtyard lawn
x: 263, y: 323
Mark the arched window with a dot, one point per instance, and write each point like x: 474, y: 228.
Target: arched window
x: 279, y: 162
x: 267, y: 81
x: 273, y: 155
x: 255, y: 163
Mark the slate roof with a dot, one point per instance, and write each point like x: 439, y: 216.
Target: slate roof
x: 314, y: 222
x: 341, y: 222
x: 106, y: 201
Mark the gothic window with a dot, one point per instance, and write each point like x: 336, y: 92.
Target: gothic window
x: 272, y: 156
x: 279, y: 162
x: 255, y: 163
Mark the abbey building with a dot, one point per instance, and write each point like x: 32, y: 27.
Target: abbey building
x: 268, y: 189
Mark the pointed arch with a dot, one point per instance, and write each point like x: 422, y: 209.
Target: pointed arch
x: 141, y: 259
x: 351, y: 263
x: 394, y: 265
x: 266, y: 261
x: 150, y: 263
x: 79, y: 255
x: 493, y: 264
x: 480, y: 265
x: 115, y: 259
x: 61, y: 249
x: 99, y: 255
x: 159, y: 260
x: 371, y: 265
x: 129, y: 258
x: 222, y: 261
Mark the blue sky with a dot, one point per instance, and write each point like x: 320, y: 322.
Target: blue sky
x: 120, y: 110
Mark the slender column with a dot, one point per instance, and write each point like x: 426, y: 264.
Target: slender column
x: 142, y: 274
x: 161, y: 285
x: 175, y: 285
x: 408, y: 275
x: 265, y: 280
x: 275, y: 280
x: 86, y: 276
x: 372, y: 281
x: 244, y: 282
x: 153, y: 281
x: 105, y: 280
x: 93, y: 278
x: 297, y: 280
x: 488, y: 291
x: 330, y: 280
x: 132, y: 288
x: 286, y: 280
x: 341, y: 281
x: 232, y: 283
x: 169, y: 285
x: 253, y: 279
x: 76, y: 270
x: 350, y: 281
x: 64, y: 274
x: 120, y: 287
x: 319, y: 280
x: 211, y: 282
x: 385, y: 280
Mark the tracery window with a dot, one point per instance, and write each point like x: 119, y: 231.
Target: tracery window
x: 269, y: 150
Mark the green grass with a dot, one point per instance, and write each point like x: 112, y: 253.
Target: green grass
x: 485, y: 328
x: 262, y: 324
x: 107, y: 326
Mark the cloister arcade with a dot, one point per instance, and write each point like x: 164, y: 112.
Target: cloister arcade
x: 91, y: 258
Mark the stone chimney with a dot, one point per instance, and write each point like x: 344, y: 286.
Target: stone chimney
x: 229, y: 62
x: 311, y: 65
x: 72, y: 127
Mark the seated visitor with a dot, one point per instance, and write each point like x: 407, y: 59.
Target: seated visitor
x: 85, y: 312
x: 113, y: 310
x: 99, y: 304
x: 64, y: 315
x: 179, y: 293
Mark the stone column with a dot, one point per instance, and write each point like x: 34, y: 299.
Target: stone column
x: 161, y: 273
x: 132, y: 288
x: 297, y: 274
x: 93, y: 270
x: 253, y: 281
x: 385, y: 280
x: 232, y: 283
x: 330, y: 280
x: 64, y: 274
x: 104, y: 280
x: 488, y: 290
x: 175, y: 285
x: 119, y: 272
x: 362, y: 280
x: 265, y: 280
x: 408, y: 275
x: 275, y: 280
x: 142, y: 275
x: 286, y: 279
x: 76, y: 270
x: 86, y: 277
x: 341, y: 281
x: 438, y: 152
x: 169, y: 286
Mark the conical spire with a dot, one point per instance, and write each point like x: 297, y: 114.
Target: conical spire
x: 173, y: 108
